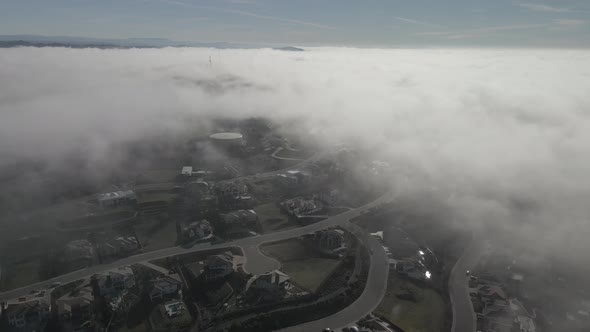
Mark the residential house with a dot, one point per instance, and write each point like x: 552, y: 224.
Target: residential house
x: 27, y: 316
x: 186, y: 171
x: 120, y: 246
x: 301, y: 207
x: 330, y: 239
x: 163, y: 288
x: 219, y: 266
x: 76, y: 305
x: 230, y: 190
x: 492, y: 293
x: 271, y: 285
x: 240, y: 218
x: 113, y: 282
x: 232, y: 195
x: 198, y: 230
x: 117, y: 198
x: 79, y: 250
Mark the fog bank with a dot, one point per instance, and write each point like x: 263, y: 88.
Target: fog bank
x: 502, y: 135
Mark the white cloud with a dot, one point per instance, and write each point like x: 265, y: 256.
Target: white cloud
x: 545, y: 8
x: 490, y: 129
x: 569, y: 22
x: 416, y: 22
x: 249, y: 13
x: 478, y: 32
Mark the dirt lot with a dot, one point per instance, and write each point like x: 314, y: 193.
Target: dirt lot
x: 271, y: 218
x: 301, y: 262
x: 154, y: 234
x: 419, y: 310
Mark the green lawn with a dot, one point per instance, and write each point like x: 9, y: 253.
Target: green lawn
x: 271, y: 218
x: 288, y: 250
x: 311, y: 272
x: 21, y: 274
x: 301, y: 262
x: 425, y: 313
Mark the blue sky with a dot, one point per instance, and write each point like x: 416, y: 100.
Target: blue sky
x: 310, y: 22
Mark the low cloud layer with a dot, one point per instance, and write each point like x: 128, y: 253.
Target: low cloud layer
x: 503, y: 135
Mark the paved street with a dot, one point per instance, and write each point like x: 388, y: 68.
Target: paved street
x: 464, y: 319
x: 249, y: 243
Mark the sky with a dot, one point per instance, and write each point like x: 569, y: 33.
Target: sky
x: 370, y: 23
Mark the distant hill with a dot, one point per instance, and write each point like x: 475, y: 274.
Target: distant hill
x: 7, y: 41
x: 17, y: 43
x: 289, y: 48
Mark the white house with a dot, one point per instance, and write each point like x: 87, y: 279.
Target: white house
x: 112, y: 282
x: 219, y: 266
x: 163, y: 288
x: 186, y: 170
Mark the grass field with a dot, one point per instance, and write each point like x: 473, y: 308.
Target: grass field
x: 425, y: 314
x: 309, y: 273
x: 301, y: 263
x: 21, y: 274
x: 288, y: 250
x: 271, y: 218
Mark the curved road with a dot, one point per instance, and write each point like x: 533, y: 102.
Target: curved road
x: 464, y: 319
x: 370, y: 298
x: 247, y: 243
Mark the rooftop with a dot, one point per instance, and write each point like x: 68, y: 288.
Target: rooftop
x: 18, y: 309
